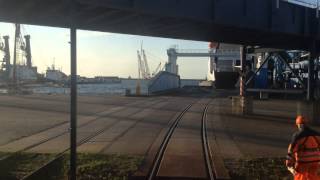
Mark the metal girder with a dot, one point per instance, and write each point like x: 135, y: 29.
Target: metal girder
x: 114, y: 4
x: 294, y: 73
x: 25, y: 8
x: 106, y: 19
x: 255, y: 50
x: 243, y: 59
x: 311, y: 72
x: 258, y: 70
x: 166, y: 25
x: 251, y: 22
x: 287, y: 64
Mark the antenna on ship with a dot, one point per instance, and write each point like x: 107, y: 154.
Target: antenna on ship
x: 53, y: 66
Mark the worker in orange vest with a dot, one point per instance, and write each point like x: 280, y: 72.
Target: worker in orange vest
x: 304, y: 152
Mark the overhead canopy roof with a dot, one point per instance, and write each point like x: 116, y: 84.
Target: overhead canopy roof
x: 250, y: 22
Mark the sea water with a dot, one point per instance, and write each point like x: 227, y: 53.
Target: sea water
x: 100, y: 89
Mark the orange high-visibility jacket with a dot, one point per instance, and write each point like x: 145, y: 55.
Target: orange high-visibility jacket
x: 304, y: 148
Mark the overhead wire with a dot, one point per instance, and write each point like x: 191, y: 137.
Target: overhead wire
x: 154, y: 56
x: 153, y: 60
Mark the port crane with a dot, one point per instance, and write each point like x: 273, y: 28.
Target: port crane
x: 21, y: 56
x: 146, y: 65
x: 5, y: 66
x: 22, y: 47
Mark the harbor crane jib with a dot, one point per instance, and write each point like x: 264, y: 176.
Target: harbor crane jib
x: 143, y: 66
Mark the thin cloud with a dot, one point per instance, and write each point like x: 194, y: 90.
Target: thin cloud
x: 85, y: 34
x: 93, y: 34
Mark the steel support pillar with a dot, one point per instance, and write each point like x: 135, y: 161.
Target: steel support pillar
x: 73, y: 93
x: 73, y: 105
x: 243, y: 55
x: 311, y: 74
x: 242, y: 105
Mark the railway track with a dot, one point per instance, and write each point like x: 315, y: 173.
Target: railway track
x: 160, y: 161
x: 205, y: 145
x: 62, y: 153
x: 46, y: 167
x: 99, y: 115
x: 206, y: 152
x: 160, y: 154
x: 66, y: 110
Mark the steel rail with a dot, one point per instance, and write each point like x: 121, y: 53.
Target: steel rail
x: 159, y: 156
x: 98, y: 116
x: 6, y: 157
x: 58, y: 156
x: 205, y: 144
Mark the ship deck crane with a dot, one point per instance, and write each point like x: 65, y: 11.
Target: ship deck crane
x: 146, y: 65
x: 157, y: 69
x: 143, y: 67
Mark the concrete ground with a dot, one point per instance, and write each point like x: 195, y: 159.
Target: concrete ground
x: 131, y: 125
x: 251, y: 135
x: 265, y: 133
x: 116, y: 122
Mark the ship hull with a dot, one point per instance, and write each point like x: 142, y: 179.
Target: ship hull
x: 226, y: 80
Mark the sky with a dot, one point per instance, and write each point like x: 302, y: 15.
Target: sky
x: 107, y: 54
x: 104, y: 54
